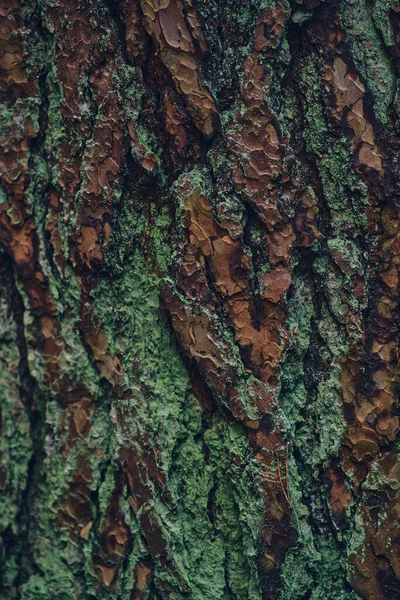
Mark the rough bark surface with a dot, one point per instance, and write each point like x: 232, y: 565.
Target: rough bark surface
x: 199, y: 299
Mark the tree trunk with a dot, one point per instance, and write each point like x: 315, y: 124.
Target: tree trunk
x: 199, y: 317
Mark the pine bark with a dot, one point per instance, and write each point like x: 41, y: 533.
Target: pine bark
x: 199, y: 299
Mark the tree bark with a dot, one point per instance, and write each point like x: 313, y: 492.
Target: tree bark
x: 199, y: 316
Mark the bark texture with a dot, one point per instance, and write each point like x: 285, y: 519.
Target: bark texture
x: 199, y: 315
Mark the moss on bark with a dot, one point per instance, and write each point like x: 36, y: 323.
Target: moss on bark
x: 199, y: 226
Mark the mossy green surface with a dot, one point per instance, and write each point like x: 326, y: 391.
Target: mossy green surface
x: 314, y: 425
x: 210, y: 506
x: 369, y: 53
x: 16, y: 447
x: 214, y: 554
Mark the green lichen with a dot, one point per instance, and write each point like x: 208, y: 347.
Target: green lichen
x: 209, y: 552
x: 346, y: 194
x: 311, y: 414
x: 209, y: 503
x: 368, y: 54
x: 16, y: 447
x: 380, y: 15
